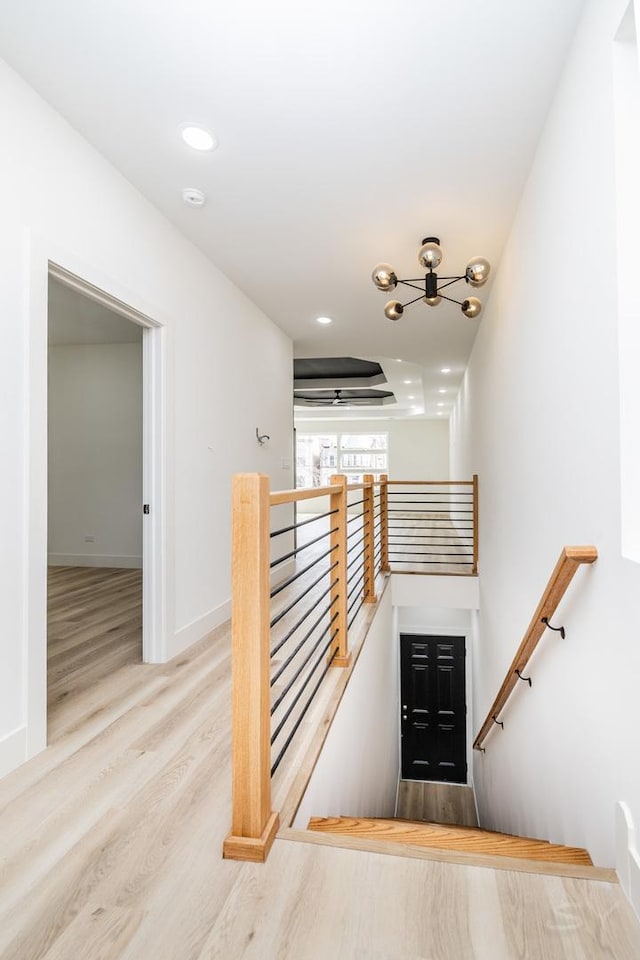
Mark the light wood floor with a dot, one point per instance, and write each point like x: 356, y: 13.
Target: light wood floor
x: 110, y: 849
x: 94, y: 628
x: 436, y: 802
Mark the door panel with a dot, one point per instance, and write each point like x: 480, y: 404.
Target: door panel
x: 433, y: 719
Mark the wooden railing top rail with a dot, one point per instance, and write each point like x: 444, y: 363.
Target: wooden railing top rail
x: 305, y: 493
x: 568, y: 562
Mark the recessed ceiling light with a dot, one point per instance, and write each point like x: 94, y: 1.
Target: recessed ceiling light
x: 194, y: 197
x: 442, y: 390
x: 324, y: 320
x: 397, y: 360
x: 445, y: 370
x: 440, y: 404
x: 440, y: 413
x: 198, y: 138
x: 407, y: 381
x: 411, y: 397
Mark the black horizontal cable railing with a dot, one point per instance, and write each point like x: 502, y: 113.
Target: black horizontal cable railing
x: 432, y: 527
x: 303, y: 624
x: 299, y: 591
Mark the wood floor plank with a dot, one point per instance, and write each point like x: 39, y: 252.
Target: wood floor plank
x: 436, y: 802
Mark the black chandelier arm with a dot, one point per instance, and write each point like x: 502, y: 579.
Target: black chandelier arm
x: 413, y: 301
x: 451, y: 280
x: 409, y: 283
x: 450, y: 299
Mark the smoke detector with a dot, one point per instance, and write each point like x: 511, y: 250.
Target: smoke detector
x: 194, y: 197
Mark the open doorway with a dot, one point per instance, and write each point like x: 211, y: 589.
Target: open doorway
x: 105, y: 542
x: 95, y: 458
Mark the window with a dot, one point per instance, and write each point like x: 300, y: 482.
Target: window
x: 319, y: 456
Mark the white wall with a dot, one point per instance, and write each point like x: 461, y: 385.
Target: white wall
x: 95, y: 454
x: 537, y: 419
x: 357, y: 771
x: 418, y: 449
x: 228, y: 370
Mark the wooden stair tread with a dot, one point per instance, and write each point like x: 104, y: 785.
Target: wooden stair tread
x: 460, y: 829
x: 469, y: 839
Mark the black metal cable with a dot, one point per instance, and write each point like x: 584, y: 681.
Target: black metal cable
x: 450, y: 563
x: 354, y: 533
x: 292, y: 579
x: 307, y: 590
x: 355, y: 614
x: 428, y: 553
x: 304, y: 663
x: 314, y: 667
x: 294, y: 553
x: 297, y: 625
x: 303, y: 711
x: 358, y: 516
x: 278, y: 673
x: 296, y: 526
x: 354, y: 546
x: 354, y: 503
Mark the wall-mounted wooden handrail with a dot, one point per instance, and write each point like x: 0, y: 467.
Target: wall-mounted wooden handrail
x: 568, y: 562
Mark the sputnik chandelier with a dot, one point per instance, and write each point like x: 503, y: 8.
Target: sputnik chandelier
x: 430, y: 257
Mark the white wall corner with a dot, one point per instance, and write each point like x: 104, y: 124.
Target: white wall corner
x: 13, y: 750
x: 627, y: 856
x: 198, y: 629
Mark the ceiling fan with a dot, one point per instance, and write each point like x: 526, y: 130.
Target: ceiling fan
x: 340, y: 397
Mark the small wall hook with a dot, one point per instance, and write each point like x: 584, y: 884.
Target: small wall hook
x: 526, y: 679
x: 261, y: 437
x: 559, y: 630
x: 499, y: 722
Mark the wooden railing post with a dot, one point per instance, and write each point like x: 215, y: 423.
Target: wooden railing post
x: 338, y: 555
x: 253, y: 824
x: 368, y: 520
x: 474, y: 568
x: 384, y: 524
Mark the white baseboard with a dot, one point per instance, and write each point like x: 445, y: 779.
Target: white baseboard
x: 628, y: 856
x: 198, y: 629
x: 203, y: 625
x: 13, y: 750
x: 93, y: 560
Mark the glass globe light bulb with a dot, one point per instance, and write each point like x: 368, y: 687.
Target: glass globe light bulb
x: 471, y: 307
x: 430, y: 255
x: 384, y: 277
x: 393, y: 310
x: 477, y: 271
x: 432, y: 301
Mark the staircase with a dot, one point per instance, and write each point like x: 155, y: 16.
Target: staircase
x: 435, y: 836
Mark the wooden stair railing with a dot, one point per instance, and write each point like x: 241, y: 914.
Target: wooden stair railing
x: 565, y: 569
x: 254, y: 823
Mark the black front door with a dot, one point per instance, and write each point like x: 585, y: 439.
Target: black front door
x: 434, y: 713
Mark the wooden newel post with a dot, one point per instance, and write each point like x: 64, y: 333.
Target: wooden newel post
x: 253, y: 824
x: 368, y: 520
x: 338, y: 523
x: 384, y: 524
x: 474, y: 568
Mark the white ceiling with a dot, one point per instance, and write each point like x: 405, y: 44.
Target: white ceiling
x: 348, y: 130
